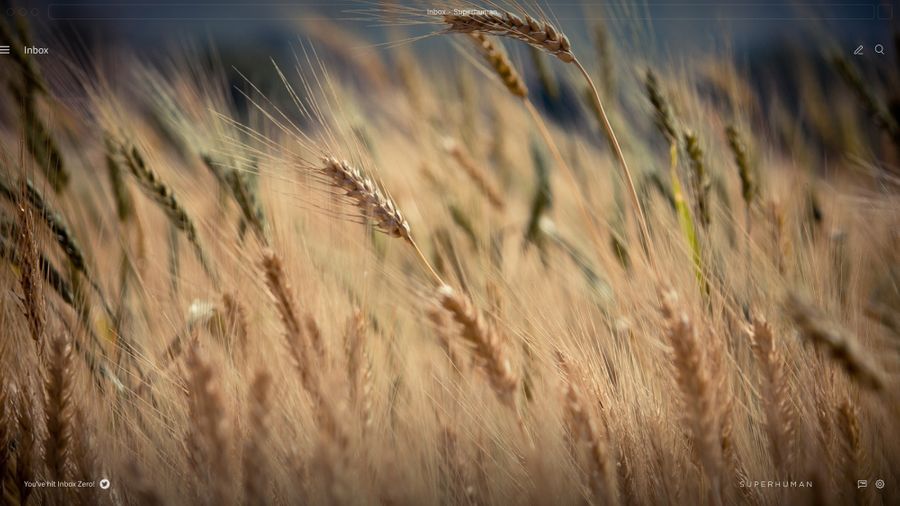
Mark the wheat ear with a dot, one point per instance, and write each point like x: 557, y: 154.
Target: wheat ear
x: 866, y: 96
x: 159, y: 192
x: 742, y: 160
x: 700, y: 179
x: 121, y: 195
x: 582, y: 425
x: 53, y: 220
x: 84, y: 456
x: 31, y: 263
x: 236, y: 182
x: 57, y: 408
x: 504, y: 69
x: 693, y: 377
x: 499, y: 61
x: 541, y: 35
x: 236, y: 319
x: 40, y: 143
x: 29, y: 280
x: 475, y: 173
x: 485, y: 340
x: 841, y: 346
x: 662, y: 113
x: 254, y: 457
x: 295, y: 337
x: 438, y: 318
x: 61, y: 232
x: 207, y: 440
x: 6, y: 425
x: 372, y: 202
x: 855, y: 458
x: 26, y: 447
x: 781, y: 419
x: 298, y: 345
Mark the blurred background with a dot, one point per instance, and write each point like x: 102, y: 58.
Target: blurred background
x: 769, y: 41
x: 662, y: 26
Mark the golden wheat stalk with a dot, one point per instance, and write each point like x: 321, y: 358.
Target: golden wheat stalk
x: 236, y: 322
x: 742, y: 160
x: 544, y: 36
x: 372, y: 203
x: 63, y: 235
x: 485, y: 340
x: 26, y: 447
x: 503, y: 67
x: 30, y: 262
x: 841, y: 346
x: 254, y: 456
x: 662, y: 113
x: 207, y: 440
x: 159, y: 192
x: 854, y: 456
x: 57, y: 408
x: 581, y: 424
x: 700, y: 180
x: 236, y: 182
x: 694, y: 380
x: 475, y: 173
x: 43, y: 147
x: 371, y: 200
x: 866, y: 96
x: 121, y: 195
x: 359, y: 369
x: 32, y: 298
x: 295, y: 337
x: 781, y: 419
x: 539, y: 34
x: 499, y: 61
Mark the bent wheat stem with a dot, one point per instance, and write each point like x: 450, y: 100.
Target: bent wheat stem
x: 544, y: 36
x: 434, y: 274
x: 620, y: 156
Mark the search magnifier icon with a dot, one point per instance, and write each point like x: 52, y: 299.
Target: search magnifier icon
x: 879, y: 49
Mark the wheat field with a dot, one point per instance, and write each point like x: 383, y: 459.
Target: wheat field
x: 383, y: 278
